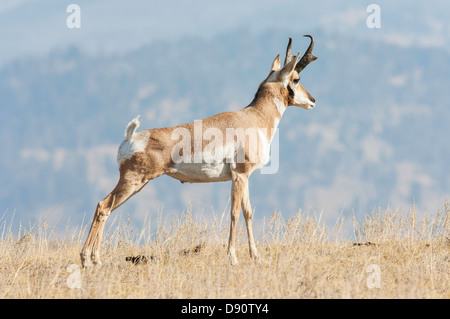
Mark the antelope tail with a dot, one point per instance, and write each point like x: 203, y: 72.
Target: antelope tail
x: 131, y: 128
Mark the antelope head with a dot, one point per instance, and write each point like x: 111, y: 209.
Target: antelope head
x: 288, y: 76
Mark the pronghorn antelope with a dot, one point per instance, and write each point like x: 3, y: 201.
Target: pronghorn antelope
x: 148, y: 154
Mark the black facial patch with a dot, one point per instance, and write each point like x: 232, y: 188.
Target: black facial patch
x: 291, y: 91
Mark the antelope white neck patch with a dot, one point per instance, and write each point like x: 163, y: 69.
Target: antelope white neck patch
x: 280, y: 106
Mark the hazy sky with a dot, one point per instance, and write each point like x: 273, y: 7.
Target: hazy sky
x: 28, y: 27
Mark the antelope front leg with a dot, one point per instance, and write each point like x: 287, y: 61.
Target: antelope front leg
x: 248, y: 214
x: 237, y: 188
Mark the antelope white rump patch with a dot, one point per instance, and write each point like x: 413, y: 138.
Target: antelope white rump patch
x: 135, y: 144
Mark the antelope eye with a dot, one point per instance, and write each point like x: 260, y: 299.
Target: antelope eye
x: 296, y: 80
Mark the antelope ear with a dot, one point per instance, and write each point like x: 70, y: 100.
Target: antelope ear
x: 276, y: 64
x: 286, y: 72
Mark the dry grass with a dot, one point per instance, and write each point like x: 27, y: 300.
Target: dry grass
x: 186, y: 258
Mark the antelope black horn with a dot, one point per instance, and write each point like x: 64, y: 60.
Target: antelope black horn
x: 289, y: 55
x: 308, y: 57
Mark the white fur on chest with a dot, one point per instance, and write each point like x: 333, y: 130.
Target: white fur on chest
x: 136, y: 144
x: 280, y: 106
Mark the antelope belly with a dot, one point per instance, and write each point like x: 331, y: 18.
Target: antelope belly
x: 201, y: 172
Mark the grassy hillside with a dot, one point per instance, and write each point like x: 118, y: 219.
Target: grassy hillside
x: 392, y: 255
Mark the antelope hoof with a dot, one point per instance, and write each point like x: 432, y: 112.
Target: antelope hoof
x: 255, y: 256
x: 256, y: 259
x: 233, y: 258
x: 95, y: 258
x: 85, y: 262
